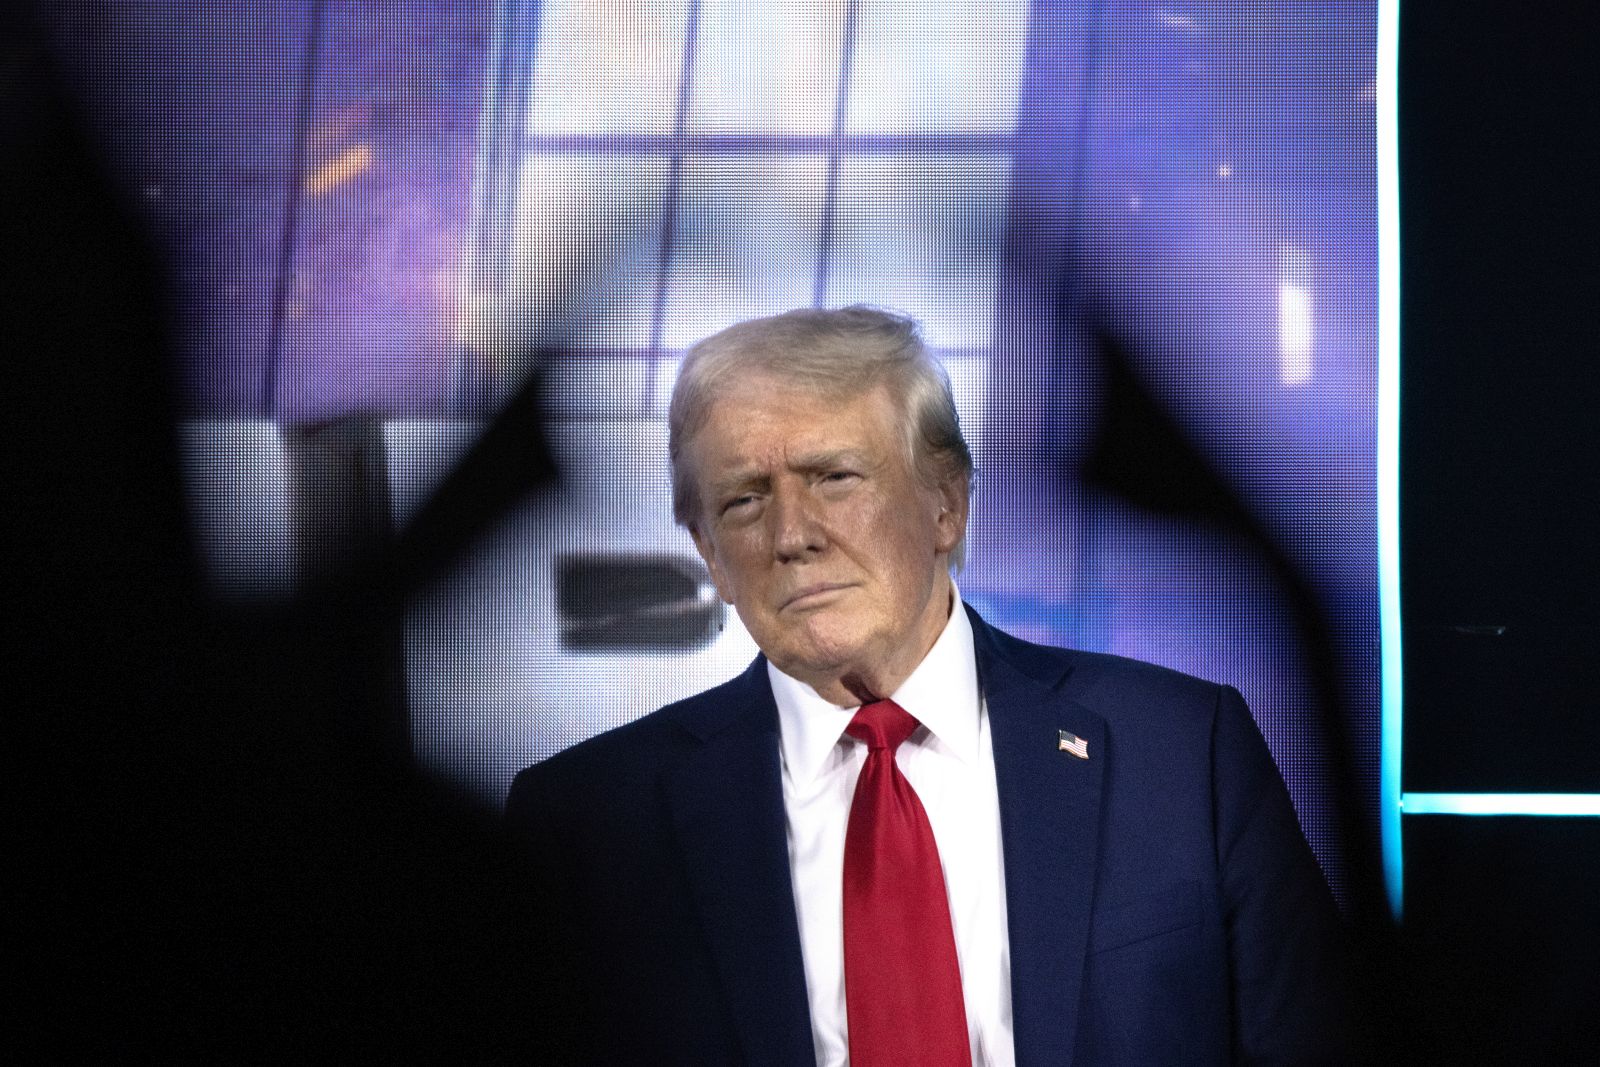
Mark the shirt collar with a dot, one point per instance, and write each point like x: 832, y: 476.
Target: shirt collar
x: 941, y: 694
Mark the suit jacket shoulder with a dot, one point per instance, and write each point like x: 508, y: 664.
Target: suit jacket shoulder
x: 631, y: 755
x: 664, y: 870
x: 1192, y: 919
x: 1105, y: 683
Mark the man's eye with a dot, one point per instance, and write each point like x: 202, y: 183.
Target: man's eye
x: 738, y: 502
x: 839, y: 481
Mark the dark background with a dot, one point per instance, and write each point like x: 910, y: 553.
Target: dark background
x: 1500, y: 312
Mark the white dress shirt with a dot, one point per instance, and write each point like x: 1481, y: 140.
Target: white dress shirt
x: 949, y: 761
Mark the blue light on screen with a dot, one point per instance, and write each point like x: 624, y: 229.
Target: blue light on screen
x: 1388, y: 452
x: 1501, y: 803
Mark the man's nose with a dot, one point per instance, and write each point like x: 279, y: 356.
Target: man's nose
x: 797, y: 531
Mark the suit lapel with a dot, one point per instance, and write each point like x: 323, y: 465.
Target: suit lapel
x: 1049, y: 820
x: 726, y: 799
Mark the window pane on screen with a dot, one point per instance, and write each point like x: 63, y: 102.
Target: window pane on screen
x: 607, y: 66
x: 590, y: 223
x: 936, y: 66
x: 766, y: 68
x: 745, y: 242
x: 922, y: 235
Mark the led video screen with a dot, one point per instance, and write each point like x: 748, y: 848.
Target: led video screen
x: 412, y: 207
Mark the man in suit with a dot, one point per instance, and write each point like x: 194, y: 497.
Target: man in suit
x: 903, y: 836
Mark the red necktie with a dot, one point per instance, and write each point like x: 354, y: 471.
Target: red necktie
x: 902, y: 982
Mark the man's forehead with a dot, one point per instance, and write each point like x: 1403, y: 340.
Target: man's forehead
x: 761, y: 464
x: 801, y: 419
x: 762, y: 385
x: 756, y: 427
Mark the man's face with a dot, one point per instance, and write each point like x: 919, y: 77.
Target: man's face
x: 817, y: 530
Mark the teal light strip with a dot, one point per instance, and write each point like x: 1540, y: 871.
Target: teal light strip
x: 1387, y: 122
x: 1501, y: 803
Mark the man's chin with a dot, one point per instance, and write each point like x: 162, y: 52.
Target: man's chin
x: 811, y: 659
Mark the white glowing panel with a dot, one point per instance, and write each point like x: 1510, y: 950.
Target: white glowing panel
x: 923, y: 236
x: 745, y: 242
x: 588, y: 248
x: 238, y: 478
x: 923, y: 67
x: 766, y: 68
x: 1295, y: 363
x: 607, y: 66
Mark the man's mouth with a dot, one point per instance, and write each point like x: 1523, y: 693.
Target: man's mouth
x: 807, y: 595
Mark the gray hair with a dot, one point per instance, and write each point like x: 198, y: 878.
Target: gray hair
x: 843, y: 352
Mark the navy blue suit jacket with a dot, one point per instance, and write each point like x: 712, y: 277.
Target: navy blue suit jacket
x: 1162, y: 904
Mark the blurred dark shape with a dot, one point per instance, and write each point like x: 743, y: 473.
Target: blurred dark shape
x: 222, y: 855
x: 625, y: 603
x: 1142, y: 454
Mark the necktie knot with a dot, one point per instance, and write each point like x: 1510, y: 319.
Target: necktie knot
x: 882, y: 724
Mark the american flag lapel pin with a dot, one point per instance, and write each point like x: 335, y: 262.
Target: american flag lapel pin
x: 1072, y: 743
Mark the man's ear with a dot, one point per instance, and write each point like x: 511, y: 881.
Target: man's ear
x: 708, y: 553
x: 951, y: 521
